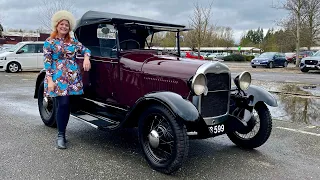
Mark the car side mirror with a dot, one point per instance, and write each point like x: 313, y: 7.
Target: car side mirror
x: 20, y: 51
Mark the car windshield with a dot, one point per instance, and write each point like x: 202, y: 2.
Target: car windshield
x: 14, y: 48
x: 317, y: 54
x: 267, y: 55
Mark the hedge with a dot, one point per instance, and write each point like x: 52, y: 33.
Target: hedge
x: 237, y: 57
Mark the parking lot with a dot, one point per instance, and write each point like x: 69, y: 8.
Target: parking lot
x: 27, y: 148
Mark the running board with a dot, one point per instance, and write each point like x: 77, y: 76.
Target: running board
x: 95, y: 121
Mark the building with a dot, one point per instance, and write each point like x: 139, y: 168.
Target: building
x: 243, y: 50
x: 16, y: 37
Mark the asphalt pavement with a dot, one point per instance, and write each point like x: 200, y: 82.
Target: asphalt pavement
x: 27, y: 148
x: 291, y: 74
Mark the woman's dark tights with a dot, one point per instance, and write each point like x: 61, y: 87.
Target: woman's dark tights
x: 63, y: 113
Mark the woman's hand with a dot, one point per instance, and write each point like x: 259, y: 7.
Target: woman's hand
x: 86, y: 63
x: 50, y: 85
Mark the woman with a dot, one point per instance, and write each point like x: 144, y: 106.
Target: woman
x: 63, y: 75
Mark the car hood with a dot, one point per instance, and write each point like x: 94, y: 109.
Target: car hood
x: 4, y: 54
x: 170, y: 66
x: 260, y: 59
x: 312, y: 58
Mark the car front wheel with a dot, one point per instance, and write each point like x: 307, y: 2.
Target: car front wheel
x: 163, y: 139
x: 258, y: 130
x: 47, y: 108
x: 13, y: 67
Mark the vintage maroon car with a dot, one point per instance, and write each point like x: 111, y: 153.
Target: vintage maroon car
x: 170, y: 99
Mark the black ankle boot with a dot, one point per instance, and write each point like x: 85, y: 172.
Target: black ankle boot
x: 61, y: 141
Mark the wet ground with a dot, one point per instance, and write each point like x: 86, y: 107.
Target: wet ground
x: 297, y: 102
x: 297, y: 93
x: 27, y: 147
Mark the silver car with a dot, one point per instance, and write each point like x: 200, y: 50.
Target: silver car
x: 310, y: 63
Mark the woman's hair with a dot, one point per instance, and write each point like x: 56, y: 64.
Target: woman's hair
x: 54, y: 34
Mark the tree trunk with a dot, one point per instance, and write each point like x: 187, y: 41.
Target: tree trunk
x: 298, y: 39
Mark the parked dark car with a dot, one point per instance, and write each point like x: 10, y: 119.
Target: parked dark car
x: 310, y: 63
x: 168, y: 98
x: 270, y: 59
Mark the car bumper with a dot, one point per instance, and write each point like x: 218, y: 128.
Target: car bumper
x: 2, y: 65
x: 310, y: 67
x: 259, y: 63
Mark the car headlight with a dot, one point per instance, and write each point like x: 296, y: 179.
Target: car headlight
x: 2, y: 58
x: 243, y: 80
x: 199, y: 84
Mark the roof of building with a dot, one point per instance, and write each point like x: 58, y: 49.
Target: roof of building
x: 20, y: 34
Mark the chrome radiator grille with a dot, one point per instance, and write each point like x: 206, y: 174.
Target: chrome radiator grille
x: 216, y: 102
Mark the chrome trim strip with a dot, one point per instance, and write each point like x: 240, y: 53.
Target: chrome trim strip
x: 218, y: 91
x: 101, y: 117
x: 103, y: 104
x: 79, y: 119
x: 98, y: 60
x: 193, y: 133
x: 104, y: 61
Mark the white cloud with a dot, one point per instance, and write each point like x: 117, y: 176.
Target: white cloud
x: 239, y: 15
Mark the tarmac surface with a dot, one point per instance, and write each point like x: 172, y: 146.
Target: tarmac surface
x: 27, y: 147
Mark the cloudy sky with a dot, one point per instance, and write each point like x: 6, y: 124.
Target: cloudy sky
x: 240, y: 15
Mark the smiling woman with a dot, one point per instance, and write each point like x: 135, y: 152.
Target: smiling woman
x: 63, y: 78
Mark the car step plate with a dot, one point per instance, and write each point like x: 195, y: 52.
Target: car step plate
x: 94, y: 120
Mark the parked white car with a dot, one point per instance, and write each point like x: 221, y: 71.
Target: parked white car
x: 27, y: 55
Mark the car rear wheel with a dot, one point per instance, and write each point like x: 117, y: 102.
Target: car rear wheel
x: 47, y: 108
x: 163, y: 139
x: 258, y: 130
x: 285, y: 64
x: 13, y: 67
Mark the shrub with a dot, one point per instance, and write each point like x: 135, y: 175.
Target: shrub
x: 234, y: 57
x: 249, y: 57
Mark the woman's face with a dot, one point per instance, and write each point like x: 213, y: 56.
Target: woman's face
x: 63, y: 27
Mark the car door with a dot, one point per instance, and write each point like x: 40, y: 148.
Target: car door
x: 100, y: 82
x: 277, y: 59
x: 27, y: 56
x: 39, y: 51
x: 283, y: 59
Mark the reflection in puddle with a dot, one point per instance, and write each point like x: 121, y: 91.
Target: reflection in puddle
x: 297, y: 105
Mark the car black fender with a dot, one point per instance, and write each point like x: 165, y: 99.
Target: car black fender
x: 260, y: 94
x: 179, y: 106
x: 40, y: 78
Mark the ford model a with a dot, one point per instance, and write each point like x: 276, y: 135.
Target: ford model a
x: 168, y: 98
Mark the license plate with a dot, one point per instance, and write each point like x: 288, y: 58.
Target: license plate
x: 217, y: 129
x: 256, y: 63
x: 311, y: 66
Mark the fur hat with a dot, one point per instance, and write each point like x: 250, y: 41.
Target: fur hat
x: 63, y: 15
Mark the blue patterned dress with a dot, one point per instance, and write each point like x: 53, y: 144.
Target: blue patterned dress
x: 60, y: 63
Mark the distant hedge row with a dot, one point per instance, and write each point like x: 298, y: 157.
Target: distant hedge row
x: 237, y: 57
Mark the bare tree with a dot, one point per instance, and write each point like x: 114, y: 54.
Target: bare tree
x: 200, y: 22
x: 47, y: 8
x: 311, y: 11
x: 295, y: 8
x: 1, y: 27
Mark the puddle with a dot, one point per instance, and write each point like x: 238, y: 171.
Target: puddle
x: 296, y: 103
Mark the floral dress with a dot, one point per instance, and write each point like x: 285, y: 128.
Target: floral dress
x: 60, y: 63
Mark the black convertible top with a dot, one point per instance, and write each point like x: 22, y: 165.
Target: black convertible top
x: 93, y: 17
